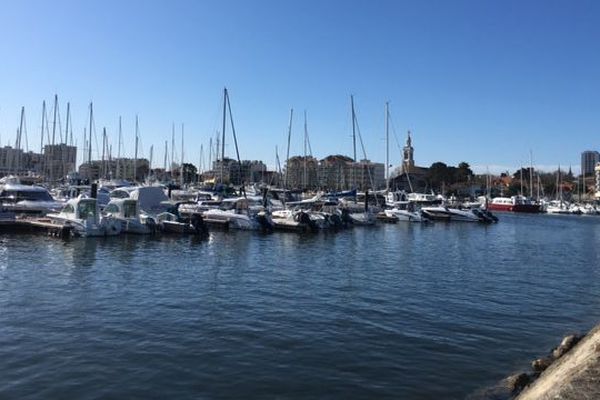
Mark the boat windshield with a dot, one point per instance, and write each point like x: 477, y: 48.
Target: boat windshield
x: 129, y: 210
x: 87, y: 209
x: 26, y: 195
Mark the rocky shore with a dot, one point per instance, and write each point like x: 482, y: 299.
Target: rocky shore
x: 569, y: 371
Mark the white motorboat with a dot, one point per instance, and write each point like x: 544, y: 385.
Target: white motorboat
x: 25, y: 199
x: 240, y: 213
x: 404, y: 211
x: 127, y: 212
x: 83, y: 215
x: 442, y: 213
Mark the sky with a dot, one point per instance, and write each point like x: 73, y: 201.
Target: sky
x: 486, y: 82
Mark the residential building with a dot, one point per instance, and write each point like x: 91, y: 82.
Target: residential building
x: 589, y: 159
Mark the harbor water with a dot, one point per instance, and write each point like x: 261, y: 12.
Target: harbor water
x: 403, y: 311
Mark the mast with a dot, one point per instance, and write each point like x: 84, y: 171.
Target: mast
x: 90, y: 139
x: 305, y: 177
x: 210, y: 153
x: 287, y: 159
x: 172, y: 150
x: 119, y: 149
x: 166, y: 152
x: 387, y: 147
x: 151, y: 156
x: 530, y: 174
x: 353, y: 127
x: 103, y: 152
x: 43, y: 122
x: 67, y: 122
x: 53, y: 138
x: 136, y: 149
x: 237, y: 150
x: 223, y: 133
x: 19, y: 137
x: 181, y: 167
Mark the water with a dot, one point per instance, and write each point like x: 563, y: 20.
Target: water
x: 394, y: 311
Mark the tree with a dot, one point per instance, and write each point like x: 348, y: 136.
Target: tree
x: 438, y: 174
x: 463, y: 173
x: 189, y: 172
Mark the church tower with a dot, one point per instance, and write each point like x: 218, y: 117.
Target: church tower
x: 408, y: 163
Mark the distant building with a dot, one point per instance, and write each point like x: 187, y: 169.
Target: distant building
x: 16, y: 161
x: 233, y: 172
x: 589, y: 159
x: 408, y: 176
x: 597, y: 171
x: 301, y: 172
x: 338, y: 172
x: 58, y: 161
x: 120, y: 168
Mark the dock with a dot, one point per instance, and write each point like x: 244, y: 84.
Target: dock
x: 35, y: 226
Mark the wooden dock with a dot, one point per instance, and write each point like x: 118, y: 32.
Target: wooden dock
x: 35, y: 226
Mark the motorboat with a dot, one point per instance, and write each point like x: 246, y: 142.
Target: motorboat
x: 127, y: 212
x: 26, y: 199
x: 404, y: 211
x: 513, y: 204
x: 240, y: 213
x: 83, y: 215
x: 443, y: 213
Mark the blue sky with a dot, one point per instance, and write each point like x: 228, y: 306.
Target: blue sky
x: 479, y: 81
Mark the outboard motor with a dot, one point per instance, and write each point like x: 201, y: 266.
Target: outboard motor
x: 198, y: 223
x: 265, y: 224
x: 346, y: 220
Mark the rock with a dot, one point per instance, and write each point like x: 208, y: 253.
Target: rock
x: 567, y: 344
x: 516, y: 383
x: 541, y: 364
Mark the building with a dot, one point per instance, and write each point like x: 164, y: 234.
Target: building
x: 338, y: 172
x: 597, y: 171
x: 231, y: 171
x: 301, y: 173
x: 118, y: 168
x: 408, y: 176
x: 589, y: 159
x: 16, y: 161
x: 58, y: 161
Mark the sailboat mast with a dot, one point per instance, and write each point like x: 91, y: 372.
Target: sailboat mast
x: 172, y: 150
x: 119, y: 149
x: 530, y: 174
x: 387, y: 146
x: 90, y: 139
x: 305, y: 177
x: 103, y: 151
x: 287, y: 158
x: 181, y: 167
x: 166, y: 150
x: 67, y: 122
x: 223, y: 133
x: 136, y: 149
x: 353, y: 127
x: 19, y: 137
